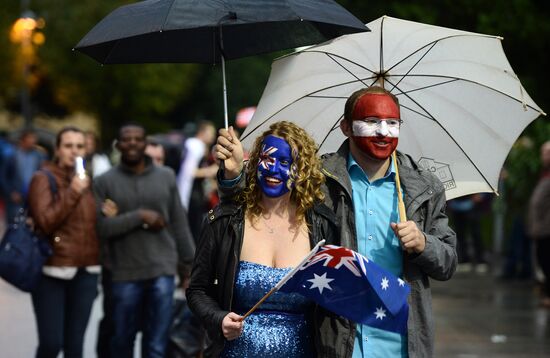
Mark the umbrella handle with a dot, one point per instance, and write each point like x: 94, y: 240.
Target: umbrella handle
x: 400, y: 203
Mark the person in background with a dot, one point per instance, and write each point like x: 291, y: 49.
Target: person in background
x: 539, y: 221
x: 156, y: 152
x: 63, y: 300
x: 145, y: 238
x: 361, y: 189
x: 194, y: 171
x: 19, y: 168
x: 96, y: 162
x: 6, y: 151
x: 466, y: 213
x: 195, y: 151
x: 249, y: 244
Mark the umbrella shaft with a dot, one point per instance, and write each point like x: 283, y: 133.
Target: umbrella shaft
x: 225, y: 118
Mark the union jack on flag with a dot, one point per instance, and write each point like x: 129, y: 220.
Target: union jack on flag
x: 348, y: 284
x: 266, y: 158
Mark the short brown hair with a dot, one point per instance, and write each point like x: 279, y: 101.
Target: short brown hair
x: 352, y: 100
x: 65, y: 130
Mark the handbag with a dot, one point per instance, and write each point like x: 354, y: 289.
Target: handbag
x: 186, y: 337
x: 23, y: 252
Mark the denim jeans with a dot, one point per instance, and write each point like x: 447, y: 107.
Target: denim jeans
x: 62, y: 309
x: 105, y: 327
x: 145, y: 304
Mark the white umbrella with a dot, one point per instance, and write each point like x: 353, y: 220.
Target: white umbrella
x: 462, y: 105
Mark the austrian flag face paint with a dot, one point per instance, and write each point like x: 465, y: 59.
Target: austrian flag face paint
x: 375, y: 125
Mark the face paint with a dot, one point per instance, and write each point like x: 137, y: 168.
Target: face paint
x: 375, y: 125
x: 274, y: 167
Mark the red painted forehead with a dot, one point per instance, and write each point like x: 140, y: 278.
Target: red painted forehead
x: 375, y: 105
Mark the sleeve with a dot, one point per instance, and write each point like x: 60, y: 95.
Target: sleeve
x: 227, y: 189
x: 117, y: 225
x: 202, y: 288
x: 47, y: 211
x: 439, y: 258
x: 179, y: 226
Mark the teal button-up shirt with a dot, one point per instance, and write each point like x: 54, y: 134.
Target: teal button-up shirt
x: 375, y: 206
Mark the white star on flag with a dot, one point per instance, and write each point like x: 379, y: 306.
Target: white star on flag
x: 401, y: 282
x: 320, y: 282
x: 385, y: 283
x: 380, y: 313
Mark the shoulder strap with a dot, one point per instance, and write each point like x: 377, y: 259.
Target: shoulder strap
x: 51, y: 179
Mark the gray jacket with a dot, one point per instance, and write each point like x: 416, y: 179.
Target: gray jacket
x: 129, y: 250
x: 424, y: 198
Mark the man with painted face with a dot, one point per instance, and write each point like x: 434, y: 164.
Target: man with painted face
x: 247, y: 245
x: 360, y: 189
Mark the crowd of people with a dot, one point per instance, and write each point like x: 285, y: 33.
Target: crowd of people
x: 148, y: 224
x: 123, y: 227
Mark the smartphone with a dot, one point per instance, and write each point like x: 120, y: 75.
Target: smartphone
x: 79, y: 167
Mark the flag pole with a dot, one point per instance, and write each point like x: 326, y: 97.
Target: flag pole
x: 284, y: 279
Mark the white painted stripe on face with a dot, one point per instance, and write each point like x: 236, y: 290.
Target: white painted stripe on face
x: 361, y: 129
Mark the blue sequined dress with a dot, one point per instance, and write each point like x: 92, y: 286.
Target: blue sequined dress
x: 277, y: 329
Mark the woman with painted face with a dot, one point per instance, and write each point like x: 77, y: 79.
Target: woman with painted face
x: 247, y: 245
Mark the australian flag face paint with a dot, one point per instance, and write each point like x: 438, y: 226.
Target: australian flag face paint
x: 274, y: 167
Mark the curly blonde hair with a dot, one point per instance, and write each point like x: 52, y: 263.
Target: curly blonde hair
x: 306, y: 172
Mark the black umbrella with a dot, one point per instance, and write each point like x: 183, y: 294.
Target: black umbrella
x: 211, y: 31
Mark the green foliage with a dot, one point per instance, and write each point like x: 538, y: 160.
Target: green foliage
x: 145, y: 93
x: 164, y: 96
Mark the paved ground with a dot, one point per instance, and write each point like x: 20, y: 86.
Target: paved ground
x: 476, y: 316
x: 479, y: 316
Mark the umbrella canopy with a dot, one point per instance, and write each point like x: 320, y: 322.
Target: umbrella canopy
x: 201, y: 31
x: 211, y: 31
x: 462, y: 105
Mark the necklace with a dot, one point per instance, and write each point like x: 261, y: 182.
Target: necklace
x: 269, y: 228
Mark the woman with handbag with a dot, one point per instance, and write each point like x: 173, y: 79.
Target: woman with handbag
x: 64, y: 296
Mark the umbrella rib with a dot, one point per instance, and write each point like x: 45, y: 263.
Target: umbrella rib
x: 330, y: 131
x: 430, y: 86
x: 413, y: 66
x: 473, y: 82
x: 334, y: 56
x: 449, y: 134
x: 167, y: 13
x: 299, y: 99
x: 432, y: 44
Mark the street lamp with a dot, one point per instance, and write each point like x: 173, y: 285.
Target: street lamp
x: 25, y: 32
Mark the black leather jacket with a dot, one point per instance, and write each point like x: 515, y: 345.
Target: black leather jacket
x: 210, y: 291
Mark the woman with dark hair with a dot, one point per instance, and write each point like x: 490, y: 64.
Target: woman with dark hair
x: 66, y: 215
x: 249, y: 244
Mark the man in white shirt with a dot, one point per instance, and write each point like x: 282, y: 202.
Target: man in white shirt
x: 195, y: 151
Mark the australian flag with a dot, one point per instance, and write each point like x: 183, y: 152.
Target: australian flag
x: 350, y: 285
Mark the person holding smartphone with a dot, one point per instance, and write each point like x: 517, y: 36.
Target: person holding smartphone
x: 64, y: 297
